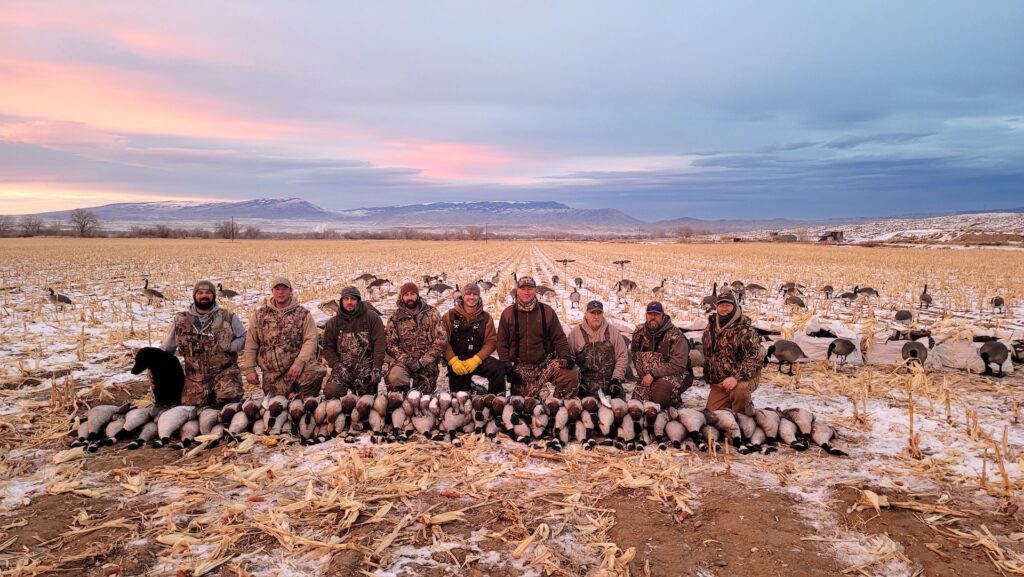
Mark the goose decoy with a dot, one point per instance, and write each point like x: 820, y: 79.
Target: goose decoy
x: 226, y: 293
x: 795, y: 301
x: 925, y: 299
x: 998, y: 303
x: 994, y: 353
x: 903, y: 316
x: 785, y: 352
x: 365, y: 277
x: 657, y: 290
x: 914, y: 351
x: 574, y: 298
x: 58, y: 299
x: 841, y: 348
x: 828, y: 290
x: 151, y: 294
x: 708, y: 303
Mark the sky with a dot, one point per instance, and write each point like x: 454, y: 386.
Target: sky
x: 660, y: 109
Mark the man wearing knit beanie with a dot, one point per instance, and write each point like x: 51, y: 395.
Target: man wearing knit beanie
x: 732, y: 357
x: 472, y: 340
x: 353, y: 345
x: 416, y: 339
x: 208, y: 338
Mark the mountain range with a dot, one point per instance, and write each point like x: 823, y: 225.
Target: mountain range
x: 298, y: 214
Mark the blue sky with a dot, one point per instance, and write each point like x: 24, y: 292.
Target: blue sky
x: 661, y: 109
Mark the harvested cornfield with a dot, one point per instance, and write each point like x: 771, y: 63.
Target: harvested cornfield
x: 932, y: 484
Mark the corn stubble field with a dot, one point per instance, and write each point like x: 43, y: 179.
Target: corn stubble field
x: 932, y: 484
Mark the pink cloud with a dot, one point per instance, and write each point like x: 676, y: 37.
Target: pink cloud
x: 448, y: 160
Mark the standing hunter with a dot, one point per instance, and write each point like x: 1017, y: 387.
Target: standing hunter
x: 208, y: 338
x: 732, y: 357
x: 661, y: 357
x: 601, y: 354
x: 282, y: 341
x: 416, y: 339
x: 353, y: 345
x: 471, y: 341
x: 533, y: 346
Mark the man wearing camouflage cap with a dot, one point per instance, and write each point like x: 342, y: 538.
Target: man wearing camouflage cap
x: 601, y: 354
x: 353, y: 345
x: 416, y: 338
x: 661, y: 356
x: 732, y: 357
x: 282, y: 341
x: 208, y: 338
x: 532, y: 344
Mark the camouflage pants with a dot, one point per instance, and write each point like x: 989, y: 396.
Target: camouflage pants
x: 528, y: 380
x: 400, y: 377
x: 667, y: 391
x: 309, y: 381
x: 223, y: 388
x: 357, y: 380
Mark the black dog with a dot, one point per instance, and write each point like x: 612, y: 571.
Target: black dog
x: 168, y: 376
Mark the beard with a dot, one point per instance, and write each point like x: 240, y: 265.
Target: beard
x: 204, y: 304
x: 411, y: 305
x: 653, y: 325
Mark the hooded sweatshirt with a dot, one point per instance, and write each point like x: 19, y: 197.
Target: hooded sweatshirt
x: 668, y: 340
x: 490, y: 335
x: 255, y: 338
x: 170, y: 343
x: 362, y: 319
x: 532, y: 348
x: 577, y: 342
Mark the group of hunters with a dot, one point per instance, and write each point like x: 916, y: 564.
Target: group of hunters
x: 532, y: 349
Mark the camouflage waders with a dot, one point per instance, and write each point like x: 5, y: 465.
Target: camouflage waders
x: 212, y: 376
x: 355, y: 371
x: 281, y: 337
x: 529, y: 380
x: 400, y: 378
x: 596, y: 361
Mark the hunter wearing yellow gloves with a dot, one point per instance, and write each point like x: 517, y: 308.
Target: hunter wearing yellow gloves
x: 472, y: 339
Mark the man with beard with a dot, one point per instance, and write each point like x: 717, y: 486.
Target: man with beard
x: 353, y: 344
x: 533, y: 346
x: 732, y: 357
x: 601, y: 354
x: 471, y: 342
x: 282, y: 341
x: 661, y: 356
x: 416, y: 339
x: 209, y: 338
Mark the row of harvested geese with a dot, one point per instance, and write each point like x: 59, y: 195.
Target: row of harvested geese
x: 393, y: 417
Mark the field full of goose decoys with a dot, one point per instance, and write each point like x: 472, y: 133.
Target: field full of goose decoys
x: 885, y: 437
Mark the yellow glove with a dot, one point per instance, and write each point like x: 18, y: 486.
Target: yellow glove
x: 457, y: 366
x: 471, y: 363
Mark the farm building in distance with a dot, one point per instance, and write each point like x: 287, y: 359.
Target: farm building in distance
x: 833, y: 236
x: 778, y: 237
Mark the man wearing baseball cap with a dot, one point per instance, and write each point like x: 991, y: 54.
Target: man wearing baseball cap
x: 661, y: 357
x: 600, y: 352
x: 208, y: 338
x: 282, y: 341
x: 732, y: 357
x: 533, y: 346
x: 416, y: 338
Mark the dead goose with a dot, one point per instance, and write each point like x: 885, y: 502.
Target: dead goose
x: 994, y: 353
x: 841, y: 348
x: 725, y: 421
x: 171, y: 421
x: 914, y: 351
x: 768, y: 421
x: 802, y: 418
x: 146, y: 434
x: 822, y: 436
x: 788, y: 435
x: 785, y: 352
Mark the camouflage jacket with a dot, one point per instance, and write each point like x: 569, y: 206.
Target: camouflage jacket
x: 667, y: 340
x: 416, y: 334
x: 733, y: 350
x: 277, y: 337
